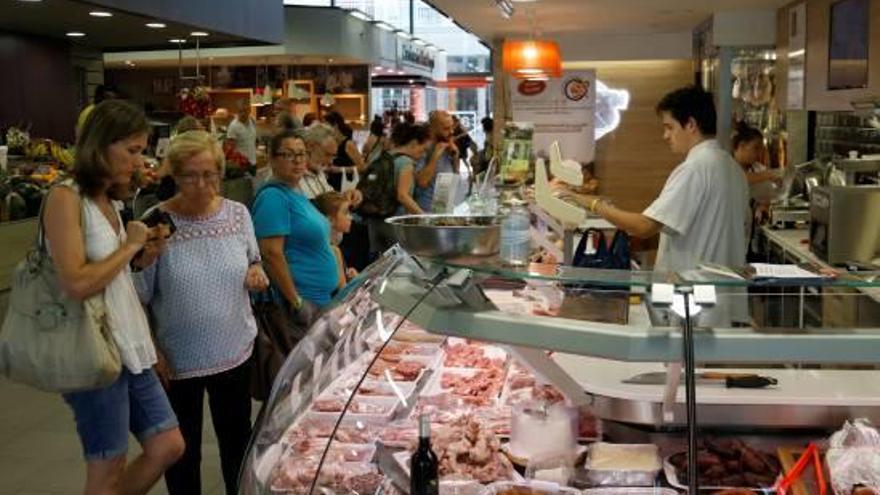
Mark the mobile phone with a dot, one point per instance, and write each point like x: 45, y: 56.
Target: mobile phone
x: 158, y: 216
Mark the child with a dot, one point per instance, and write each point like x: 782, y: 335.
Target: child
x: 335, y: 207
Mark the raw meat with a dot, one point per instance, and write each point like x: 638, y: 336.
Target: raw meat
x: 480, y: 388
x: 467, y: 449
x: 470, y: 356
x: 403, y: 370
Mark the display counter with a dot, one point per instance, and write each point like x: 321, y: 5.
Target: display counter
x: 478, y: 347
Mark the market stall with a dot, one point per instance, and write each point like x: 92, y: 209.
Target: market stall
x: 526, y: 395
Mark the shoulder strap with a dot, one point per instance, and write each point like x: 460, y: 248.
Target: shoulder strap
x: 41, y: 234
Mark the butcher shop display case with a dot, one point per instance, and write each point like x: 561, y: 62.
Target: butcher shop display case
x: 559, y: 379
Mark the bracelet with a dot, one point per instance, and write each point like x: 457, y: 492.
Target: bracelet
x: 593, y: 205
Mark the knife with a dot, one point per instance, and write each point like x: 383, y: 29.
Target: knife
x: 391, y: 468
x: 730, y: 380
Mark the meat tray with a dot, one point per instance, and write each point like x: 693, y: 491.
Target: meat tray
x: 602, y: 476
x: 390, y: 407
x: 653, y: 490
x: 434, y: 386
x: 672, y: 478
x: 456, y: 486
x: 532, y: 487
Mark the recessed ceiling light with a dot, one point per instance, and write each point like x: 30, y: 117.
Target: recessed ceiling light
x: 177, y: 40
x: 198, y: 34
x: 400, y: 73
x: 378, y: 68
x: 155, y: 25
x: 100, y: 13
x: 76, y: 34
x: 411, y: 81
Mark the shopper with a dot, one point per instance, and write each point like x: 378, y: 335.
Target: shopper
x: 442, y: 157
x: 197, y: 292
x: 701, y: 213
x: 336, y: 208
x: 464, y: 144
x: 376, y: 142
x: 409, y: 143
x: 242, y: 131
x: 92, y: 250
x: 321, y: 142
x: 347, y: 161
x: 480, y: 161
x: 294, y: 237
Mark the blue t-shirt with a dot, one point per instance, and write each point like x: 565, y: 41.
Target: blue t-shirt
x: 424, y: 196
x: 280, y: 210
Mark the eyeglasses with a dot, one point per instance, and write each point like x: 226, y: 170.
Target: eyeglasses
x: 208, y: 177
x: 291, y: 155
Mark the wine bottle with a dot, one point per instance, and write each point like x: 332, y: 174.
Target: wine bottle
x: 423, y: 465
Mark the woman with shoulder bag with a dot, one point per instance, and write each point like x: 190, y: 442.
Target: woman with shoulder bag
x: 92, y: 250
x: 294, y: 237
x: 197, y: 291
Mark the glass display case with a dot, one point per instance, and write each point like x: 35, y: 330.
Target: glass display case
x: 521, y: 371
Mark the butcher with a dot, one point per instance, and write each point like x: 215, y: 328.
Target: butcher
x: 702, y: 211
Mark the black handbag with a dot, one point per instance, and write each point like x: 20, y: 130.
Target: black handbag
x: 278, y: 332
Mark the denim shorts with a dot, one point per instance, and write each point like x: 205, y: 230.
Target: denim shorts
x: 135, y: 403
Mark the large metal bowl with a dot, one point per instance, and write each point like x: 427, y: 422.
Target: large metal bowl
x: 447, y: 236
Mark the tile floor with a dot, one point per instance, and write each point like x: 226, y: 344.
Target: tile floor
x: 40, y: 452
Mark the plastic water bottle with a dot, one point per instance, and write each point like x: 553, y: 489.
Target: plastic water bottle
x: 515, y: 242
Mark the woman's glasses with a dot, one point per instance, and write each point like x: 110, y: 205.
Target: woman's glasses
x: 193, y: 178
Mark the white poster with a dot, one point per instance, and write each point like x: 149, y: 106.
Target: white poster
x: 561, y: 109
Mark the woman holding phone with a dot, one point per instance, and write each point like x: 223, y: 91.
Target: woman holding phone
x: 198, y: 294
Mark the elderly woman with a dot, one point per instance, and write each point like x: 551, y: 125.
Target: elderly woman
x: 198, y: 293
x: 294, y: 236
x: 92, y: 250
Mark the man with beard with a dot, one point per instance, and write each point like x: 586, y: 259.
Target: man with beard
x: 442, y: 157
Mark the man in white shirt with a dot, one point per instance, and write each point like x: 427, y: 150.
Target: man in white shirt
x: 243, y: 130
x: 702, y: 211
x: 321, y: 142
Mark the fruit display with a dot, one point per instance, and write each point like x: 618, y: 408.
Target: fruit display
x: 17, y: 140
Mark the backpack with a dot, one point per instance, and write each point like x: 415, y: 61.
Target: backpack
x: 379, y: 187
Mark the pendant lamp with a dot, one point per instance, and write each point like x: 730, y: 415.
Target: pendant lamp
x: 526, y: 59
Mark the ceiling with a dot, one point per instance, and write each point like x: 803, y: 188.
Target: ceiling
x: 123, y: 31
x: 167, y: 59
x: 591, y: 17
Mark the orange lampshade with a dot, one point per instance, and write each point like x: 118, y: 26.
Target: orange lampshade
x: 531, y: 58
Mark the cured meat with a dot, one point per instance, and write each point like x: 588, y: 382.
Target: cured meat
x: 730, y: 463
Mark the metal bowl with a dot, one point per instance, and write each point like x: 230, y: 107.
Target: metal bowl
x: 447, y: 236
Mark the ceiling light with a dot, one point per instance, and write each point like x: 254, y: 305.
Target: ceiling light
x: 402, y: 34
x: 378, y: 68
x: 198, y: 34
x: 155, y: 25
x: 76, y: 34
x: 411, y: 81
x: 100, y: 13
x: 400, y: 73
x: 177, y: 40
x: 357, y: 14
x: 384, y: 25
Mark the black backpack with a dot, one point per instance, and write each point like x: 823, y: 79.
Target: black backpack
x: 379, y: 187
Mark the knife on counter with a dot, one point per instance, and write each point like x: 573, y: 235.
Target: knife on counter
x: 730, y: 380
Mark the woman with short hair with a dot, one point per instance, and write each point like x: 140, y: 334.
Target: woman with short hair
x: 197, y: 292
x: 92, y: 251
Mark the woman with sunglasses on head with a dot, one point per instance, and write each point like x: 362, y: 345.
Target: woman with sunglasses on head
x: 198, y: 295
x: 294, y: 237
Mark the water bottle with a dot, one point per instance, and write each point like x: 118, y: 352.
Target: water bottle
x: 515, y: 242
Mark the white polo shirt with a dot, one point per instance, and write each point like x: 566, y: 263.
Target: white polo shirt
x: 704, y: 209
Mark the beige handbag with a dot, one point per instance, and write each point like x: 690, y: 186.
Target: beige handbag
x: 50, y: 341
